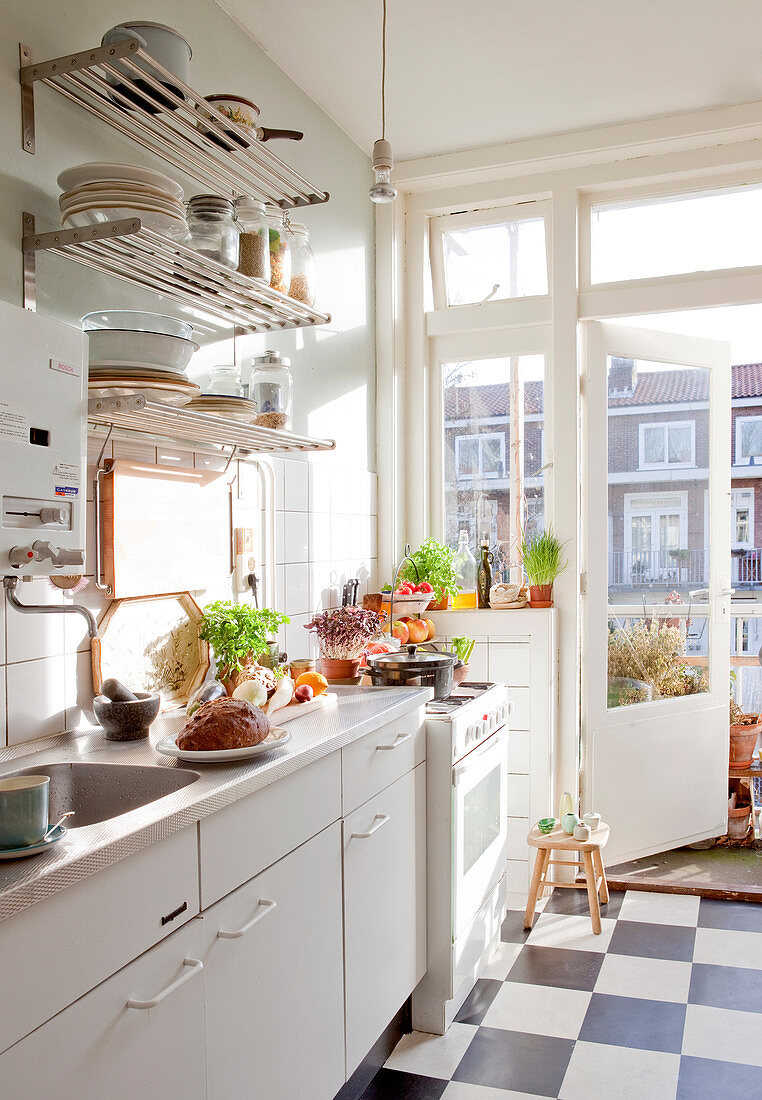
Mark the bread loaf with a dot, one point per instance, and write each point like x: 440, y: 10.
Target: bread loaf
x: 224, y: 724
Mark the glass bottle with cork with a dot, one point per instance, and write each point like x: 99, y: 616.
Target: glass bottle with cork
x: 484, y: 575
x: 464, y: 564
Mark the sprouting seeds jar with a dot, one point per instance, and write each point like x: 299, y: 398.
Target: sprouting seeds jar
x: 254, y: 247
x: 271, y: 387
x: 302, y: 285
x: 212, y: 228
x: 280, y: 253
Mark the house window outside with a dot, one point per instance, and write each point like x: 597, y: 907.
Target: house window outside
x: 742, y: 518
x: 480, y: 456
x: 668, y: 445
x: 748, y: 440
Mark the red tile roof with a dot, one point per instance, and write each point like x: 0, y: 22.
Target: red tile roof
x: 652, y: 388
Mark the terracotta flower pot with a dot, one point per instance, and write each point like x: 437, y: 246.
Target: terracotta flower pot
x: 440, y: 605
x: 738, y: 822
x: 541, y: 595
x: 339, y: 670
x: 461, y: 674
x: 743, y: 740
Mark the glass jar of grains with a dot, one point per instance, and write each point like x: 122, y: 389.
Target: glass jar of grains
x: 280, y: 254
x: 254, y: 254
x: 271, y: 387
x: 302, y: 285
x: 212, y: 228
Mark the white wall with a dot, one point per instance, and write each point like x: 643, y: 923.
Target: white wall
x: 326, y: 507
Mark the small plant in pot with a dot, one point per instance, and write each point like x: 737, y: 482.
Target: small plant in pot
x: 433, y: 562
x: 343, y: 636
x: 744, y: 730
x: 463, y: 648
x: 238, y: 633
x: 541, y: 556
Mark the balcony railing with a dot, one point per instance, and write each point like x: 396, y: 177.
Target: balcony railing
x: 647, y: 569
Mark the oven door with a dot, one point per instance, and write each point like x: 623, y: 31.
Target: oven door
x: 480, y: 826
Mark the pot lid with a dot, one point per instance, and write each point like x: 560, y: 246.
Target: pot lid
x: 410, y: 658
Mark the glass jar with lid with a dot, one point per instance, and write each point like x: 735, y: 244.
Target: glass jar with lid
x: 225, y: 381
x: 271, y: 387
x: 280, y: 253
x: 254, y: 249
x: 302, y: 285
x: 212, y: 229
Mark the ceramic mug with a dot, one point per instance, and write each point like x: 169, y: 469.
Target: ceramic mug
x: 592, y: 819
x: 23, y: 810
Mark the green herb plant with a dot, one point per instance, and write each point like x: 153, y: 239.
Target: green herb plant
x: 238, y: 633
x: 463, y: 647
x: 435, y: 565
x: 542, y: 557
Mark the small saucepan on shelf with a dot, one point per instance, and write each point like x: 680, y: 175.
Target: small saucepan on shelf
x: 245, y: 115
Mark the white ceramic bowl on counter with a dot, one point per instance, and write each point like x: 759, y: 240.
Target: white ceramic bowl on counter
x: 124, y: 346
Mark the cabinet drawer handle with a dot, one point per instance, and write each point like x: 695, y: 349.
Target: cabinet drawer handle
x: 264, y: 906
x: 378, y: 821
x: 403, y: 737
x: 195, y: 966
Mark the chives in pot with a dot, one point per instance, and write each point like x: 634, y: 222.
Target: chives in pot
x: 541, y: 558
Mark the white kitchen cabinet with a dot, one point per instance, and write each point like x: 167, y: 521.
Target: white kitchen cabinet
x: 384, y: 908
x: 274, y: 980
x: 99, y: 1047
x: 381, y: 758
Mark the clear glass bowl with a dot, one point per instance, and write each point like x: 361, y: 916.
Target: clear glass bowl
x: 132, y: 321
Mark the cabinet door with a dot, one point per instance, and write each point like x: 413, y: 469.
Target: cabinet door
x: 384, y: 908
x: 274, y: 981
x: 99, y: 1047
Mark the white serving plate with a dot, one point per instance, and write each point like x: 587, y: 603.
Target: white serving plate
x: 296, y: 710
x: 118, y: 197
x: 235, y: 408
x: 34, y: 849
x: 98, y: 172
x: 135, y: 370
x: 276, y: 738
x: 169, y: 392
x: 128, y: 186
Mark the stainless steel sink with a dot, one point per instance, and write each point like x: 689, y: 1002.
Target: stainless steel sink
x: 99, y: 792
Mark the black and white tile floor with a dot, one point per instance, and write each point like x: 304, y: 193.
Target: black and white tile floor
x: 666, y: 1003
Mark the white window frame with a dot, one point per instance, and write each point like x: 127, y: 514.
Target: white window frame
x: 666, y: 425
x: 653, y: 504
x: 738, y: 458
x: 482, y: 437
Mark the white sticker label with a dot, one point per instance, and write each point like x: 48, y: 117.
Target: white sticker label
x: 66, y: 471
x: 14, y: 422
x: 65, y: 368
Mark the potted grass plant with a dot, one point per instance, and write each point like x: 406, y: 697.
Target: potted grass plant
x: 541, y: 556
x: 238, y: 633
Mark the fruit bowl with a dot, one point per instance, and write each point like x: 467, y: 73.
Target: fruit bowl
x: 406, y: 605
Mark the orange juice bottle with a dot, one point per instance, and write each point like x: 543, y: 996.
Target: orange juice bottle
x: 465, y: 568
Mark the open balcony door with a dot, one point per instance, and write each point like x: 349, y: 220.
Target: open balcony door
x: 656, y: 770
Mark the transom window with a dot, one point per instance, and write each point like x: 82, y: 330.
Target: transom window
x: 748, y: 439
x: 667, y: 445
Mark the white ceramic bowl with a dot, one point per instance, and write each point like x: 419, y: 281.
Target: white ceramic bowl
x: 126, y: 346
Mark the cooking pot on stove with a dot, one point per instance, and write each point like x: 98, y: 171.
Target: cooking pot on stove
x: 413, y: 667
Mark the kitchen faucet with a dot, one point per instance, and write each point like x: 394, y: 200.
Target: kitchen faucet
x: 10, y: 583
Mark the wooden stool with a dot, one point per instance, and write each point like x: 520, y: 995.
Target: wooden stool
x: 595, y: 875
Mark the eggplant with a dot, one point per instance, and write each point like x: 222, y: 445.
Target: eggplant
x: 209, y: 690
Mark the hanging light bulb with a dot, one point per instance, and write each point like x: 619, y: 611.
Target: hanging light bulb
x: 383, y: 190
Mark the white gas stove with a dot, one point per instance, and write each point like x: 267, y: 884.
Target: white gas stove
x: 467, y: 793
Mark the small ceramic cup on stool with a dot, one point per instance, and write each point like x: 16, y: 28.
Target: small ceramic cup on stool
x: 582, y: 832
x: 592, y: 819
x: 24, y: 803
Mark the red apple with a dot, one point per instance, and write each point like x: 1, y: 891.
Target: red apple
x: 417, y: 630
x: 432, y: 630
x: 401, y: 632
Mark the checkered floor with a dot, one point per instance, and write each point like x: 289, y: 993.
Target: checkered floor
x: 666, y: 1003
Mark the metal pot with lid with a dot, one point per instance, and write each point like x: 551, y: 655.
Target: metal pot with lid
x: 245, y: 115
x: 413, y: 667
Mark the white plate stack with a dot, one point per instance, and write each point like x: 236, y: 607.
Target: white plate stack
x: 95, y: 193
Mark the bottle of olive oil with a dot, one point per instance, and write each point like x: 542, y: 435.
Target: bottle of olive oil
x: 484, y: 575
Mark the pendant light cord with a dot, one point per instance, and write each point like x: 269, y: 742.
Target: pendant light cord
x: 383, y: 72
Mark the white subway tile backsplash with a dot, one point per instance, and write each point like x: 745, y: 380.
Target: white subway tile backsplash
x: 297, y: 494
x: 32, y: 636
x: 297, y: 594
x: 324, y: 587
x: 360, y: 537
x: 341, y: 486
x: 76, y: 637
x: 295, y: 538
x: 280, y: 537
x: 297, y: 641
x: 320, y: 488
x: 340, y: 537
x: 36, y: 699
x: 78, y: 675
x: 320, y: 536
x: 279, y: 470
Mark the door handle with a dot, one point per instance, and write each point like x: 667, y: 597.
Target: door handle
x: 378, y: 821
x: 483, y: 749
x: 401, y: 739
x: 195, y: 966
x: 264, y: 906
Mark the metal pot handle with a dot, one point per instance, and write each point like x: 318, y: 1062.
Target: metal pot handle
x: 266, y: 134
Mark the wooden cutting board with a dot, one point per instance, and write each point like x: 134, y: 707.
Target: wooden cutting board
x: 297, y: 710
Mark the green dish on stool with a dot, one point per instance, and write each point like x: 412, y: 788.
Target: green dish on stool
x: 546, y: 824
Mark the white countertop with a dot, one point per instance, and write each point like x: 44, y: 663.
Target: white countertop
x: 90, y: 848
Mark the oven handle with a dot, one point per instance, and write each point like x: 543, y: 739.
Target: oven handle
x: 490, y: 744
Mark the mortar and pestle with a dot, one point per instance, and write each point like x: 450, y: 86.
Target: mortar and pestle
x: 124, y: 715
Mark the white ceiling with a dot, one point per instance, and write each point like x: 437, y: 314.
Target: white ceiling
x: 470, y: 73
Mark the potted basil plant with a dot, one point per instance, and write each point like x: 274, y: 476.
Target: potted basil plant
x: 542, y: 560
x: 238, y: 633
x: 343, y: 636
